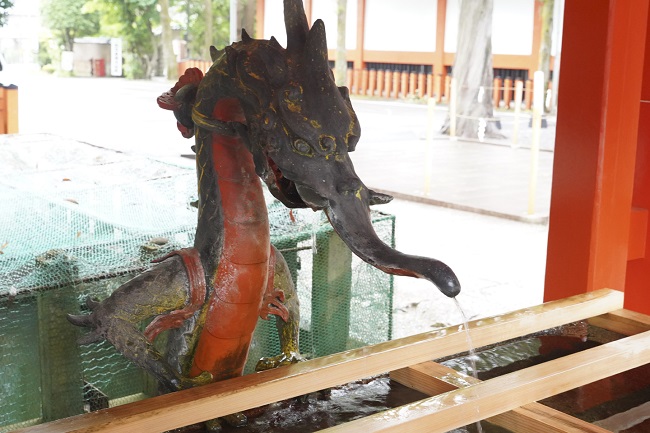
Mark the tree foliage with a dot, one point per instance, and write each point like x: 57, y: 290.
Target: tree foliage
x: 139, y: 23
x: 133, y: 21
x: 197, y: 22
x: 5, y: 5
x: 69, y: 19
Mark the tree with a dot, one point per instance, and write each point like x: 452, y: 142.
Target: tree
x: 199, y: 41
x: 170, y: 65
x: 5, y: 5
x: 472, y: 72
x: 209, y: 26
x: 68, y: 19
x: 133, y: 21
x: 341, y: 63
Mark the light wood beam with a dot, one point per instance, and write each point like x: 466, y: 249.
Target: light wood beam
x: 187, y: 407
x: 624, y: 322
x: 454, y: 409
x: 432, y: 378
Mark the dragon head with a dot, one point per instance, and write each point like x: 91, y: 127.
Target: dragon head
x: 300, y: 127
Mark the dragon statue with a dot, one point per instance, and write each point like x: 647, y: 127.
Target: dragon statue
x: 262, y: 111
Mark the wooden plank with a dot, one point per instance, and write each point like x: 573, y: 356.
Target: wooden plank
x: 432, y: 378
x: 624, y: 322
x: 182, y: 408
x: 454, y: 409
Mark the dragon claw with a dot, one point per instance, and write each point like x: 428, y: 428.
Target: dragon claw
x: 200, y: 380
x: 283, y: 359
x: 274, y: 304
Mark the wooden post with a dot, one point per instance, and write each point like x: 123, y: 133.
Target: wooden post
x: 331, y: 293
x: 404, y: 84
x: 364, y: 82
x: 507, y: 92
x: 61, y: 379
x: 528, y: 94
x: 372, y: 82
x: 496, y: 92
x: 388, y: 82
x: 421, y: 85
x: 380, y: 83
x: 447, y: 95
x: 412, y: 84
x: 397, y: 75
x: 3, y: 110
x: 356, y: 84
x: 11, y: 98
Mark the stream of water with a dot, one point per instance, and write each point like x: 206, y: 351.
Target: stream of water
x: 471, y: 351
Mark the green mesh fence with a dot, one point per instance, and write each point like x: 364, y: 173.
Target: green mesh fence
x: 78, y: 221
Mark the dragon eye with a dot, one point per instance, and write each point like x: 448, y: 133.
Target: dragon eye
x: 302, y: 147
x: 327, y: 143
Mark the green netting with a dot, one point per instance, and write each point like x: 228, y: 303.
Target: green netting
x: 78, y: 221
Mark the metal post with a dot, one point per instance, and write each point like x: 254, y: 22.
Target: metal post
x: 538, y: 109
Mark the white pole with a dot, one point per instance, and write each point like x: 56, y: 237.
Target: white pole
x: 452, y: 108
x: 428, y: 160
x: 234, y: 37
x: 538, y: 109
x: 519, y: 91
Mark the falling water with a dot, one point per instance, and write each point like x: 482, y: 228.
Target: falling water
x: 471, y: 352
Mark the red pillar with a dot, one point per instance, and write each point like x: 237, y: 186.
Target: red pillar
x: 637, y: 282
x: 600, y: 89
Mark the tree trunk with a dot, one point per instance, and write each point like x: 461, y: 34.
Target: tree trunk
x: 169, y: 59
x: 473, y: 73
x: 209, y: 24
x: 246, y: 17
x: 341, y: 64
x: 546, y: 39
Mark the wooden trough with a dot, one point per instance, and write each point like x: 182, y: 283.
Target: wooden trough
x: 507, y: 400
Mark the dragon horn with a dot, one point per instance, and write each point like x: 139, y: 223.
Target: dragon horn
x: 214, y: 53
x: 245, y: 37
x: 91, y: 303
x: 316, y: 48
x: 296, y: 24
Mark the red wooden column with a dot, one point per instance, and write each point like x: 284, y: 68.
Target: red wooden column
x: 259, y: 19
x: 533, y: 59
x: 439, y: 55
x: 637, y: 283
x: 359, y: 62
x: 593, y: 173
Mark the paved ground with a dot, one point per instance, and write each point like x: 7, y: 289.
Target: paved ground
x: 499, y: 260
